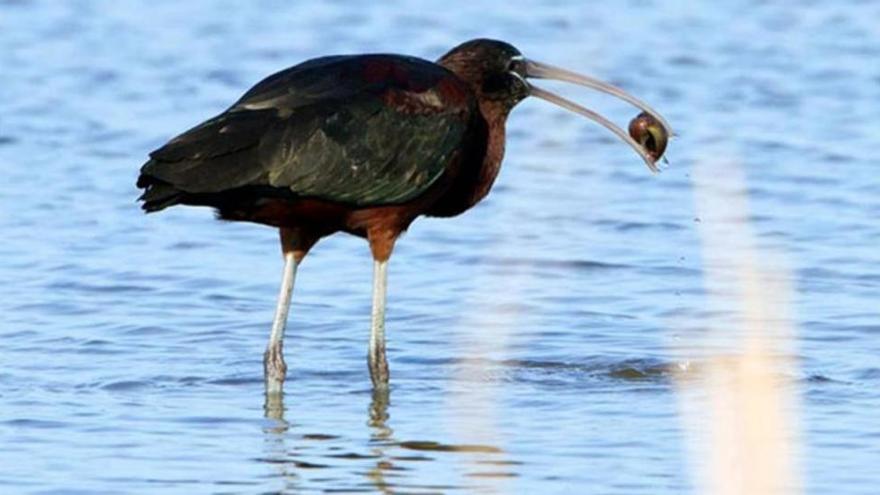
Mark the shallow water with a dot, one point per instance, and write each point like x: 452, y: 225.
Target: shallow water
x: 532, y: 341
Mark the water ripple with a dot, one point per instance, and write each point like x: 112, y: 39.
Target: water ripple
x: 522, y: 335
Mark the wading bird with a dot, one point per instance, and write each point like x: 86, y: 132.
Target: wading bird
x: 363, y: 144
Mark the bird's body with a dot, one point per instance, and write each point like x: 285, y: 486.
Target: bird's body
x: 349, y: 143
x: 362, y: 144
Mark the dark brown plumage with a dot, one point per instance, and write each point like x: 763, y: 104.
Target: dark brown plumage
x: 362, y: 144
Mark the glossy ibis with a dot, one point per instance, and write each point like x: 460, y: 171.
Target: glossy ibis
x: 363, y: 144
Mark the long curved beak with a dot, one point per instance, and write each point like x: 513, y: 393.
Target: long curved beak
x: 538, y: 70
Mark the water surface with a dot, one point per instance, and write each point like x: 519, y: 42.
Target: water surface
x: 532, y: 341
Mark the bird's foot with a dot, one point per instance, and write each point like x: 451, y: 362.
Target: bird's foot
x: 275, y: 368
x: 378, y: 370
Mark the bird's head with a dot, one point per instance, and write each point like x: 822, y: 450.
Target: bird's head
x: 492, y: 68
x: 498, y: 73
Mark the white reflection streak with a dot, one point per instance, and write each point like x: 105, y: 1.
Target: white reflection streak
x: 483, y: 338
x: 740, y: 409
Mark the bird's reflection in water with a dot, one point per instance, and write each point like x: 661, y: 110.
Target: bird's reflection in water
x: 381, y: 438
x: 381, y: 441
x: 379, y: 415
x: 275, y: 439
x: 389, y: 460
x: 274, y: 409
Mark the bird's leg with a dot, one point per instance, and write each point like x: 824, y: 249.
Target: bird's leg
x: 381, y: 244
x: 273, y: 360
x: 376, y: 355
x: 294, y: 245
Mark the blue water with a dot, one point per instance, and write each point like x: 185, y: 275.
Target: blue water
x: 532, y: 341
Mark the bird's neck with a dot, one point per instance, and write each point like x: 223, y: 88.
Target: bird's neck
x: 496, y: 119
x: 479, y: 166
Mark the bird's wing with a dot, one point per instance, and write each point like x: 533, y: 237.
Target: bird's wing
x: 360, y: 130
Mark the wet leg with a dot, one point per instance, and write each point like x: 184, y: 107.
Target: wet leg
x: 294, y: 245
x: 376, y: 359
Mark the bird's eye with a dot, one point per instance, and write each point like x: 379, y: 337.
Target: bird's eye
x: 516, y: 65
